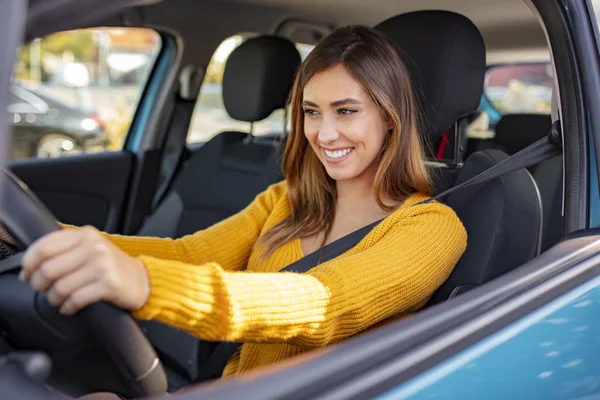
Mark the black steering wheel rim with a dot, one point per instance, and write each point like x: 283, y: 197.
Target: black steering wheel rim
x: 27, y: 219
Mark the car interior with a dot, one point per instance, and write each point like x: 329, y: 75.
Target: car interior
x: 161, y: 184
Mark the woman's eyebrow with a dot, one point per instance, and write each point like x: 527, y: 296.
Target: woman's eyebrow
x: 336, y: 103
x: 309, y: 103
x: 344, y: 102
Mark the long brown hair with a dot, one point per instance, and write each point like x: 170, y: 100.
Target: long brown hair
x: 375, y: 62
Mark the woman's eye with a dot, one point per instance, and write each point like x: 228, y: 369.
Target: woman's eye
x: 347, y: 111
x: 310, y: 112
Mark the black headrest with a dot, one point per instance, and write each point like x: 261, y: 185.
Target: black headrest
x: 445, y: 54
x: 258, y: 77
x: 514, y: 132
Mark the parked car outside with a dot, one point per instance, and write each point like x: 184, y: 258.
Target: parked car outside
x: 46, y: 127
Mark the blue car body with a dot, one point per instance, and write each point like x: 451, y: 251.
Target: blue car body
x: 551, y: 353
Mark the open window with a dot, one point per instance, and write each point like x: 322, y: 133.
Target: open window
x: 77, y: 91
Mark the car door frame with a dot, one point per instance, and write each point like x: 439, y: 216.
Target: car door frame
x: 150, y: 124
x: 139, y: 158
x: 13, y: 14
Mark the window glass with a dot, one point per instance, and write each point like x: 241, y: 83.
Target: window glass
x: 210, y: 117
x: 77, y: 91
x: 521, y: 88
x: 512, y: 89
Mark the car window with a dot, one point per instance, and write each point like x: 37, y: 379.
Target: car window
x: 210, y: 117
x: 77, y: 91
x: 520, y: 88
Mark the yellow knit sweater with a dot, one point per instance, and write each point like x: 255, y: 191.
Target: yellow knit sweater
x: 214, y: 285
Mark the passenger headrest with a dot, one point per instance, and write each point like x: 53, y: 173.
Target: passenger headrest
x: 445, y: 54
x: 514, y: 132
x: 258, y: 76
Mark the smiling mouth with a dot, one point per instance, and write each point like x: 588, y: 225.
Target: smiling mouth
x: 337, y: 155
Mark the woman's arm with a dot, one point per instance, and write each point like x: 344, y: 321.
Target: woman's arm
x: 228, y: 243
x: 338, y: 299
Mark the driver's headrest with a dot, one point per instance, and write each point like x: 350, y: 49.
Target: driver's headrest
x: 445, y: 54
x: 258, y: 76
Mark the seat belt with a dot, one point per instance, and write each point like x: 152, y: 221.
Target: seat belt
x: 175, y: 150
x: 542, y: 150
x: 215, y: 363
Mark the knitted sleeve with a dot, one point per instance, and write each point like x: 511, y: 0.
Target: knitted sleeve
x: 393, y: 273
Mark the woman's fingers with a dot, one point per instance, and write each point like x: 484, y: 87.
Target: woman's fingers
x: 55, y: 268
x: 82, y: 298
x: 48, y: 247
x: 65, y: 287
x: 80, y: 266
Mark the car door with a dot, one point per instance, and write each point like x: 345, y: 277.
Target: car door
x: 80, y: 103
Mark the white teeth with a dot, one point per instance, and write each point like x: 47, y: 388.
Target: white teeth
x: 337, y: 154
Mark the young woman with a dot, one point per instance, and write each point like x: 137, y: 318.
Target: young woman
x: 353, y: 158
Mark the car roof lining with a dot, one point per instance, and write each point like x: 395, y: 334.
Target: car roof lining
x: 511, y: 31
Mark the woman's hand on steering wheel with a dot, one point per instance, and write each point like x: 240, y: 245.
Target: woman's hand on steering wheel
x: 78, y: 267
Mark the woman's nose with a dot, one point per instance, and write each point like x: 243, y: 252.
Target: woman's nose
x: 328, y: 131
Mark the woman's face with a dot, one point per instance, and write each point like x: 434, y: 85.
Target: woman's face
x: 342, y: 124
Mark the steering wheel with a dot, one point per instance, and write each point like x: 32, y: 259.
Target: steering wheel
x: 26, y: 219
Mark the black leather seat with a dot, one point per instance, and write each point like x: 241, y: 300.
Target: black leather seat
x: 225, y: 174
x: 514, y: 132
x: 446, y: 57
